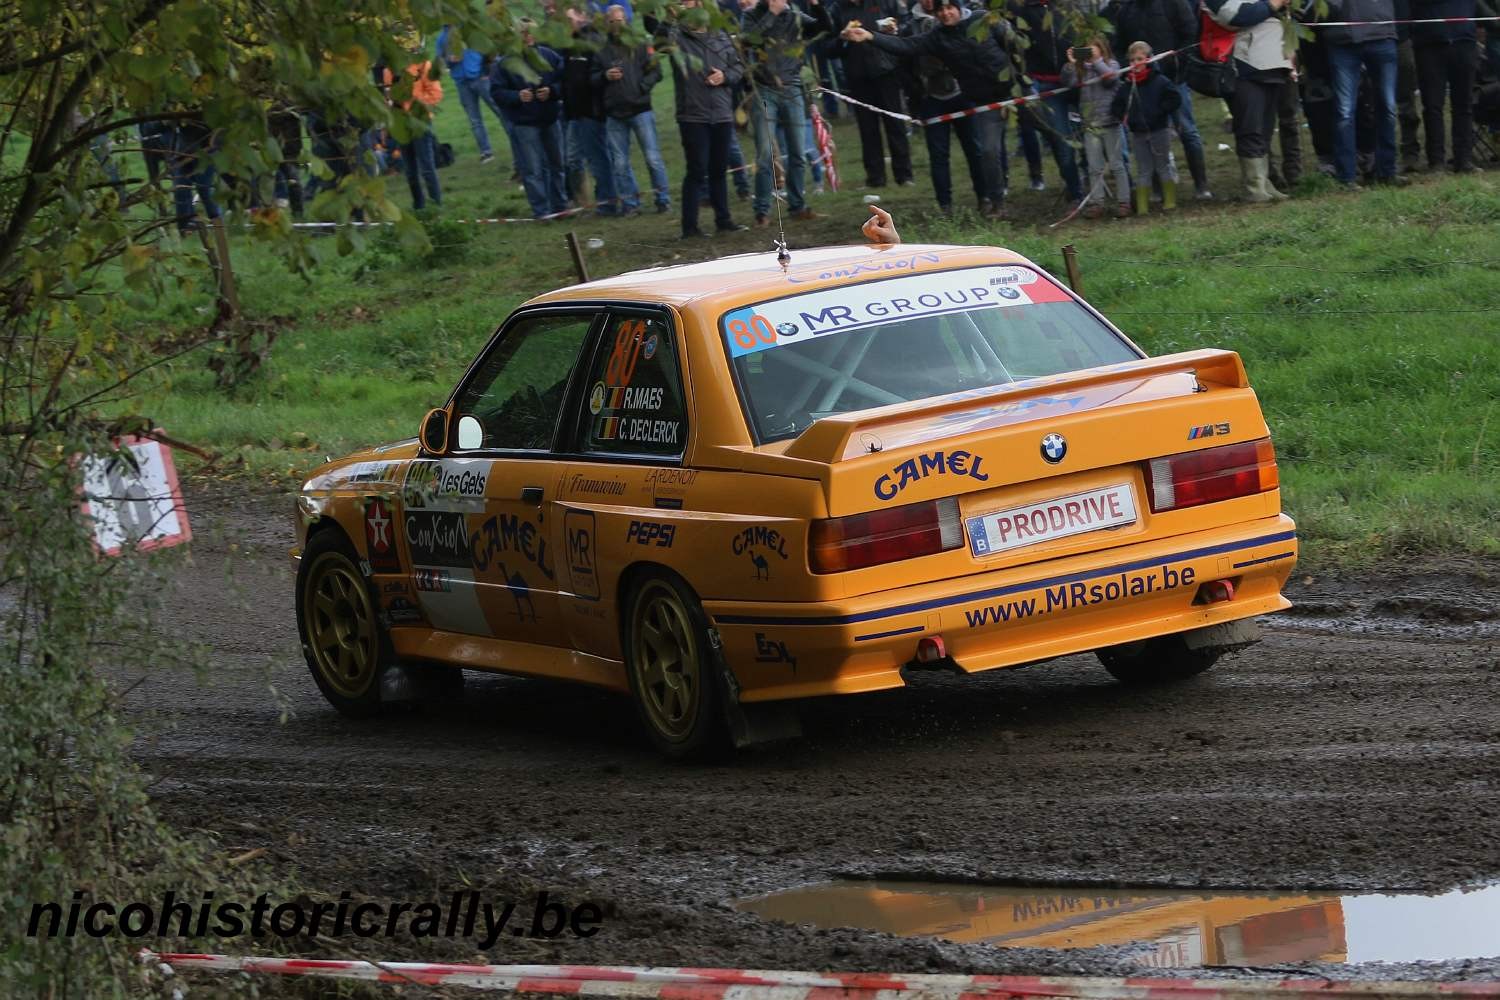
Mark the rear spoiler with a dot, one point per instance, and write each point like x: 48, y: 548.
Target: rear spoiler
x: 827, y: 439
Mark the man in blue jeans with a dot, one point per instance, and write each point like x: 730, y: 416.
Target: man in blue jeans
x: 626, y: 74
x: 466, y: 70
x: 533, y: 104
x: 1371, y: 47
x: 773, y: 32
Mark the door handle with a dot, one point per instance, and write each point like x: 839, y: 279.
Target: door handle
x: 532, y: 495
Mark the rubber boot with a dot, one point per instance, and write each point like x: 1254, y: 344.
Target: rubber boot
x: 1263, y: 171
x: 1199, y: 169
x: 1252, y: 173
x: 1143, y: 200
x: 1168, y: 195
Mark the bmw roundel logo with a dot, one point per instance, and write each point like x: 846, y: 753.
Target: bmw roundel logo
x: 1006, y: 292
x: 1054, y: 448
x: 787, y: 329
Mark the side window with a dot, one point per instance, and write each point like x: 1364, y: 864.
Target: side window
x: 632, y: 397
x: 515, y: 397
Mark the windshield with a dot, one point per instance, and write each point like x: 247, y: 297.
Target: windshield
x: 807, y: 356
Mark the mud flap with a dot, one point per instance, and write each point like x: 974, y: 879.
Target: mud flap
x: 751, y: 724
x: 1224, y: 637
x: 400, y: 682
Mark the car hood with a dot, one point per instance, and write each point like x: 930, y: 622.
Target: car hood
x: 381, y: 464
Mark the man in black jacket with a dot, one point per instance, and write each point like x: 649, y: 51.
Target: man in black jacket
x: 774, y: 33
x: 583, y: 118
x: 624, y: 73
x: 1167, y: 26
x: 982, y: 68
x: 873, y: 79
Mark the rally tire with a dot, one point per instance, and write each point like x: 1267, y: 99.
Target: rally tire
x: 345, y: 646
x: 673, y: 670
x: 1162, y: 660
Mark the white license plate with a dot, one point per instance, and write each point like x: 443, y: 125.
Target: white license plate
x: 1093, y: 510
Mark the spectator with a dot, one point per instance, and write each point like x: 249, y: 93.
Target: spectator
x: 419, y: 151
x: 583, y: 118
x: 527, y: 88
x: 938, y: 93
x: 1146, y: 104
x: 466, y: 70
x: 1371, y: 47
x: 1168, y: 26
x: 1047, y: 42
x: 1102, y: 138
x: 626, y: 73
x: 285, y: 126
x: 773, y: 32
x: 871, y: 72
x: 982, y: 68
x: 192, y: 173
x: 1288, y: 128
x: 1261, y: 69
x: 1447, y: 64
x: 157, y: 139
x: 705, y: 68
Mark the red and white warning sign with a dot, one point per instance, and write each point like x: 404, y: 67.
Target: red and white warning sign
x: 133, y: 498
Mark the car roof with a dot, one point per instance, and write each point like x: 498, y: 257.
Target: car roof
x: 754, y: 276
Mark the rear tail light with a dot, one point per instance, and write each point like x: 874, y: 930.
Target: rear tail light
x: 1222, y: 473
x: 882, y: 536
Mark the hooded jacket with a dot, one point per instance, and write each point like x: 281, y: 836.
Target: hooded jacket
x: 1165, y: 25
x: 1258, y: 39
x: 630, y: 95
x: 866, y: 62
x: 774, y: 43
x: 982, y: 67
x: 932, y: 76
x: 1147, y: 105
x: 1100, y: 80
x: 1047, y: 36
x: 694, y: 54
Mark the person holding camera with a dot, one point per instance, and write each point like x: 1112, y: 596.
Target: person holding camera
x: 981, y: 66
x: 874, y: 80
x: 1093, y: 69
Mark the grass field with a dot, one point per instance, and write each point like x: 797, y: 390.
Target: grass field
x: 1368, y: 322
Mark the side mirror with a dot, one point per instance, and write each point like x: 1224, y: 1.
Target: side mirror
x: 434, y: 433
x: 470, y: 433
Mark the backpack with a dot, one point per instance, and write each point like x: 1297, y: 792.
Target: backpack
x: 444, y: 157
x: 1208, y: 68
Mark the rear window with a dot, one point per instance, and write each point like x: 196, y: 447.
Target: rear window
x: 807, y: 356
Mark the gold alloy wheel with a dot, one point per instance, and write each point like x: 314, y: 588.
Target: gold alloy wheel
x: 340, y: 625
x: 668, y: 670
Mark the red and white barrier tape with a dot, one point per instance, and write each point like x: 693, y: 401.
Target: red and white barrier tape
x: 738, y: 984
x: 1014, y: 102
x: 1417, y: 20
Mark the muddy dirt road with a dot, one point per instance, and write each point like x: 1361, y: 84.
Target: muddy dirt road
x: 1358, y: 747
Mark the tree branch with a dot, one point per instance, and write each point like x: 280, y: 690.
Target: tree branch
x: 88, y: 135
x: 16, y: 66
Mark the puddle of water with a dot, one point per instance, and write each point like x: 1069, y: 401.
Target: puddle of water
x: 1181, y: 928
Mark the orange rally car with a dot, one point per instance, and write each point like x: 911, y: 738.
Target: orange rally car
x: 725, y: 485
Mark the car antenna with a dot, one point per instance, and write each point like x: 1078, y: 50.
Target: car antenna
x: 782, y: 256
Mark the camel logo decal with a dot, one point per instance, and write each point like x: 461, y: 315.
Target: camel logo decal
x: 760, y: 543
x: 519, y: 592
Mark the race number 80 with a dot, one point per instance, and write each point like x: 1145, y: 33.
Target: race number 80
x: 749, y: 331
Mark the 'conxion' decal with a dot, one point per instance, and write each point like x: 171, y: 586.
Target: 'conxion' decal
x: 1015, y: 588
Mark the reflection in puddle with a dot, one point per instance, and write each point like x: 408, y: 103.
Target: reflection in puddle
x: 1183, y: 928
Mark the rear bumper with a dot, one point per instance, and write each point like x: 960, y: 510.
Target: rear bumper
x: 1007, y: 617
